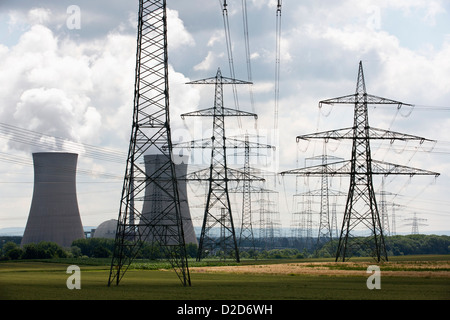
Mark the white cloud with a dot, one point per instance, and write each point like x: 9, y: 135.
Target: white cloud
x: 63, y: 88
x: 39, y: 16
x: 207, y: 63
x: 217, y: 36
x: 80, y: 85
x: 177, y: 34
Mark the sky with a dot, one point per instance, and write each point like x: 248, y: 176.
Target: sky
x: 67, y: 72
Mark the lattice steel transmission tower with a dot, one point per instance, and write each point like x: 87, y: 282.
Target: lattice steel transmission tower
x: 218, y: 212
x: 361, y: 206
x: 385, y: 225
x: 415, y: 223
x: 150, y: 133
x: 325, y: 230
x: 248, y: 188
x: 246, y: 233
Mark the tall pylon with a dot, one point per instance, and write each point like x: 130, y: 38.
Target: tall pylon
x: 415, y: 223
x: 361, y: 206
x: 150, y: 134
x: 243, y: 179
x: 248, y: 189
x: 218, y: 211
x: 325, y: 229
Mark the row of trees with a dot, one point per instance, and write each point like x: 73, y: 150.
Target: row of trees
x: 88, y: 248
x: 103, y: 248
x: 43, y: 250
x: 401, y: 245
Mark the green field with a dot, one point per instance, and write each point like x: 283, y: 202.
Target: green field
x: 47, y: 281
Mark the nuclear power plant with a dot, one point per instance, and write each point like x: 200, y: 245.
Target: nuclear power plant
x: 106, y: 229
x: 54, y: 215
x: 154, y: 206
x: 156, y: 199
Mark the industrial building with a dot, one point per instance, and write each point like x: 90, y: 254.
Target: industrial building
x: 155, y: 198
x: 106, y: 229
x: 54, y: 214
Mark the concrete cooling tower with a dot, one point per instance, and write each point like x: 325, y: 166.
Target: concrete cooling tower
x: 155, y: 198
x: 54, y: 214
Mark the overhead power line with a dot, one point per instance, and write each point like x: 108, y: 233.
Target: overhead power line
x: 4, y: 157
x: 229, y: 44
x: 51, y: 143
x: 277, y: 63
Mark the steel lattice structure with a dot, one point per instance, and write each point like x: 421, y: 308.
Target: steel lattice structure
x: 246, y: 233
x: 246, y: 236
x: 150, y: 134
x: 361, y: 206
x: 244, y: 176
x: 218, y: 213
x: 325, y: 229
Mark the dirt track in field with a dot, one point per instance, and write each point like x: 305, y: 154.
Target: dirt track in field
x: 414, y: 269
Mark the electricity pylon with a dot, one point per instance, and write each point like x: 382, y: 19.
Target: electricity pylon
x: 218, y: 212
x: 415, y: 223
x: 244, y: 176
x: 247, y: 188
x: 150, y: 133
x: 325, y: 230
x: 361, y: 206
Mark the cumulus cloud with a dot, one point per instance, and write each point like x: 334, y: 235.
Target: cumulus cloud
x: 79, y: 84
x: 207, y: 63
x: 177, y: 34
x: 81, y: 91
x: 47, y: 92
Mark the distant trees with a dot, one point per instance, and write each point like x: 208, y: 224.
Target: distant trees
x: 41, y: 250
x: 94, y: 247
x: 403, y: 245
x: 418, y: 244
x: 103, y: 248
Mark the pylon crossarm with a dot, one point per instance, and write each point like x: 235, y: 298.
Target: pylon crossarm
x: 367, y: 98
x: 318, y: 193
x: 219, y: 79
x: 236, y: 143
x: 237, y: 175
x: 371, y: 99
x: 253, y: 189
x: 386, y: 168
x: 209, y: 112
x: 233, y: 175
x: 344, y: 168
x: 194, y: 144
x: 374, y: 134
x: 229, y: 143
x: 348, y: 99
x: 346, y: 133
x: 334, y: 168
x: 381, y: 134
x: 212, y: 112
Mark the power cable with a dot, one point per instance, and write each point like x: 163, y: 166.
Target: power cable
x: 52, y: 143
x: 277, y: 63
x: 230, y: 54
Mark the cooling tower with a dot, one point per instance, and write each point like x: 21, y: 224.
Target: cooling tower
x: 54, y: 214
x: 155, y: 198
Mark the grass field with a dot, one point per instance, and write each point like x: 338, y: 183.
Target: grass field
x: 410, y: 278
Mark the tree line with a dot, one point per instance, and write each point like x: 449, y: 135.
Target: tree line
x: 10, y: 249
